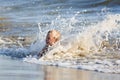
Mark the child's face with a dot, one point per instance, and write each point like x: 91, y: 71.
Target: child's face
x: 52, y: 37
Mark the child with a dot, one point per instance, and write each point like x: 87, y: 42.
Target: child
x: 52, y: 37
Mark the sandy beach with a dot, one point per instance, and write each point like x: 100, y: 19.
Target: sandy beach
x: 11, y: 69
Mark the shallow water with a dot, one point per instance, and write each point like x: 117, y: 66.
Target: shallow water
x: 90, y: 32
x: 16, y: 69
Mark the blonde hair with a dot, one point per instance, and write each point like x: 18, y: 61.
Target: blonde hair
x: 56, y: 34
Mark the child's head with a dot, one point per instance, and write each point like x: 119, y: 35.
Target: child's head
x: 52, y: 37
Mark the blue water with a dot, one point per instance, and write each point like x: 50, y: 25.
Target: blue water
x: 23, y: 15
x: 25, y: 22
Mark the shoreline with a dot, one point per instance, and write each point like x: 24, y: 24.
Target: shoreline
x: 10, y: 69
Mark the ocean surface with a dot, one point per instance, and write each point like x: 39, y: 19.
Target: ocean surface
x: 90, y: 39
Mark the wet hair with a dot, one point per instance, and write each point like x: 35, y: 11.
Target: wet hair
x: 57, y: 37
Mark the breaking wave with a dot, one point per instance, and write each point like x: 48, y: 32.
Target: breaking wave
x: 96, y: 47
x: 92, y: 47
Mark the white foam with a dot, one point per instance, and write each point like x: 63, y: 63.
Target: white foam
x: 76, y: 50
x: 90, y: 42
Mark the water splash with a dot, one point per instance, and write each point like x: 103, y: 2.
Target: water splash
x: 102, y: 40
x: 79, y: 43
x: 102, y: 37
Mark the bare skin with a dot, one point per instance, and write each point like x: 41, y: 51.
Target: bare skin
x: 52, y: 37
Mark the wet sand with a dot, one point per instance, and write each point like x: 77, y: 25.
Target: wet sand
x: 55, y: 73
x: 11, y: 69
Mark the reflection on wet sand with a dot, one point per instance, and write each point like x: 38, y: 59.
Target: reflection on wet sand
x: 56, y: 73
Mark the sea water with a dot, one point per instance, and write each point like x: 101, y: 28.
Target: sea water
x: 90, y: 32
